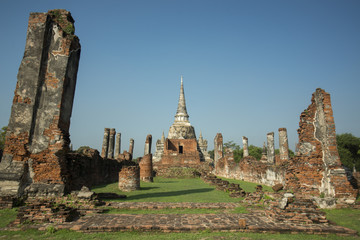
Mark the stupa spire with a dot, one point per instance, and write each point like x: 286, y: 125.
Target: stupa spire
x: 181, y: 113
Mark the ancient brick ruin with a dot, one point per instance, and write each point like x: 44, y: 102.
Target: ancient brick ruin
x: 36, y: 160
x: 315, y: 172
x: 180, y: 148
x: 145, y: 164
x: 129, y: 178
x: 37, y: 138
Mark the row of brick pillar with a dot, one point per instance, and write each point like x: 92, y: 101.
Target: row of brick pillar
x: 110, y: 143
x: 283, y: 146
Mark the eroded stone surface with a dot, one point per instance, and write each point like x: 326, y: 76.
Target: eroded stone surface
x: 37, y: 138
x: 317, y: 170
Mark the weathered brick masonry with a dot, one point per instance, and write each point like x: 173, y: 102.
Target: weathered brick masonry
x: 38, y: 131
x: 317, y: 170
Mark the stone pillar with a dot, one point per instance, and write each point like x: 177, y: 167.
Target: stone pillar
x: 129, y: 178
x: 105, y: 145
x: 283, y: 145
x: 148, y: 141
x: 270, y: 148
x: 111, y: 143
x: 245, y: 146
x: 131, y: 147
x: 218, y: 147
x: 37, y: 138
x: 118, y: 145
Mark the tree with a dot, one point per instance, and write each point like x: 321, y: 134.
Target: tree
x: 349, y: 150
x: 255, y: 152
x: 2, y: 137
x: 211, y: 154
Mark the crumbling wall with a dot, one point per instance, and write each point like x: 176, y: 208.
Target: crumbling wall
x: 37, y: 138
x: 317, y: 170
x: 89, y: 169
x: 251, y: 170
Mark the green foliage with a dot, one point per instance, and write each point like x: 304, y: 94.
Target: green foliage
x: 211, y: 154
x: 349, y: 149
x: 256, y: 152
x: 69, y: 29
x: 232, y: 145
x: 2, y: 137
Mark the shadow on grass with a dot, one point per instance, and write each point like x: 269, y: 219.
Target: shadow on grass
x: 169, y: 194
x: 148, y: 188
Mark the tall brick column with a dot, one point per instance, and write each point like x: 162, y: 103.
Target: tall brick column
x: 283, y: 145
x: 111, y: 143
x: 105, y: 144
x: 117, y: 145
x: 270, y: 148
x: 146, y: 166
x: 245, y: 146
x: 131, y: 147
x: 38, y: 137
x: 218, y: 147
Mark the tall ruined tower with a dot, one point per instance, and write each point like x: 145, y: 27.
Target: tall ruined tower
x: 181, y: 128
x: 180, y: 148
x: 37, y: 138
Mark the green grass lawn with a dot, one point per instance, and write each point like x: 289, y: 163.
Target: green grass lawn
x: 171, y: 190
x: 178, y: 190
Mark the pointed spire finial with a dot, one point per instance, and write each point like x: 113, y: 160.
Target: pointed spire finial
x: 181, y: 113
x: 163, y: 137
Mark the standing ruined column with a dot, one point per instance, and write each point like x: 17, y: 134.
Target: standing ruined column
x: 105, y: 145
x: 118, y: 145
x: 131, y: 147
x: 146, y: 166
x: 148, y: 142
x: 263, y: 154
x: 283, y: 145
x: 270, y: 148
x: 37, y: 137
x: 111, y: 143
x: 218, y: 147
x: 129, y: 178
x: 245, y: 146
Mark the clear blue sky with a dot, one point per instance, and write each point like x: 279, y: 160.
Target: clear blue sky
x: 249, y: 67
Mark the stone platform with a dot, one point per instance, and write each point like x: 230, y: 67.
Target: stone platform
x: 255, y: 221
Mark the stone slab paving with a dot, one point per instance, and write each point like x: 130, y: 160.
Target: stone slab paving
x: 171, y: 205
x: 256, y: 221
